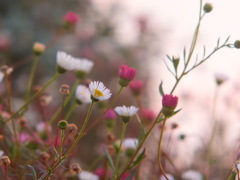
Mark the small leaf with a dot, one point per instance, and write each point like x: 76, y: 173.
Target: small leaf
x: 109, y: 158
x: 161, y: 88
x: 204, y: 51
x: 33, y: 172
x: 226, y: 40
x: 218, y: 42
x: 175, y: 112
x: 184, y: 54
x: 138, y: 160
x: 160, y: 119
x: 56, y: 153
x: 170, y: 59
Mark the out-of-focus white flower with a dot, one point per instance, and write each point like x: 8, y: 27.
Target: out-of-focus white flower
x: 169, y: 176
x: 192, y: 175
x: 130, y: 143
x: 83, y: 95
x: 85, y: 175
x: 98, y: 91
x: 65, y: 62
x: 83, y: 65
x: 1, y: 153
x: 126, y: 111
x: 1, y: 76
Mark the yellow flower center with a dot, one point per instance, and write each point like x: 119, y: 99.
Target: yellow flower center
x: 98, y: 93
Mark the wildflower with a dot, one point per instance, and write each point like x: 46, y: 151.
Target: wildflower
x: 64, y: 89
x: 126, y: 74
x: 4, y: 160
x: 169, y: 103
x: 207, y: 8
x: 98, y: 91
x: 38, y: 48
x: 110, y: 117
x: 148, y: 115
x: 169, y: 176
x: 126, y: 112
x: 136, y: 87
x: 71, y: 18
x: 192, y: 175
x: 65, y: 62
x: 83, y: 95
x: 130, y: 145
x: 75, y: 167
x: 82, y: 67
x: 101, y: 173
x: 45, y: 99
x: 85, y: 175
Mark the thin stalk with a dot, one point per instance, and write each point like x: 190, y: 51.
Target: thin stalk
x: 140, y: 145
x: 69, y: 97
x: 34, y: 96
x: 61, y: 142
x: 31, y: 77
x: 102, y: 115
x: 119, y: 151
x: 70, y: 111
x: 51, y: 170
x: 159, y: 149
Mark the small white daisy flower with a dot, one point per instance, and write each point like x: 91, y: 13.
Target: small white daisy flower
x: 85, y: 175
x: 83, y: 94
x: 83, y: 65
x: 126, y: 111
x: 130, y: 143
x: 169, y: 176
x: 192, y: 175
x: 65, y: 62
x: 1, y: 76
x: 98, y: 91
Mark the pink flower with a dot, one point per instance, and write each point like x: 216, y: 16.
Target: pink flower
x: 169, y: 101
x: 101, y: 172
x: 136, y: 87
x: 148, y: 115
x: 110, y: 114
x: 125, y: 176
x: 71, y: 18
x: 127, y: 73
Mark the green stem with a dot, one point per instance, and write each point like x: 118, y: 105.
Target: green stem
x: 31, y: 77
x: 119, y: 151
x: 159, y: 149
x: 34, y: 96
x: 51, y: 170
x: 70, y: 111
x: 61, y: 142
x: 66, y: 102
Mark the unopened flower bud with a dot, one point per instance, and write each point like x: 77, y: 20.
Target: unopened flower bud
x: 174, y: 125
x: 169, y: 103
x: 38, y: 48
x: 22, y: 121
x: 110, y: 138
x: 6, y: 70
x: 72, y: 128
x: 175, y: 62
x: 111, y: 149
x: 62, y: 124
x: 136, y: 87
x: 44, y: 157
x: 75, y: 167
x: 207, y: 7
x: 45, y: 100
x: 64, y: 89
x: 5, y: 160
x: 182, y: 136
x: 237, y: 44
x: 126, y: 74
x: 70, y: 20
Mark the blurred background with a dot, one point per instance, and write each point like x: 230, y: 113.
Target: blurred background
x: 139, y: 34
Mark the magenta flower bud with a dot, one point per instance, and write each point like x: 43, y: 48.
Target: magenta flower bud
x: 110, y: 118
x: 71, y: 18
x: 136, y: 87
x: 148, y: 115
x: 126, y: 74
x: 169, y: 103
x: 101, y: 173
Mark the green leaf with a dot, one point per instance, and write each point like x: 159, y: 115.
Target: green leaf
x: 232, y: 176
x: 161, y: 88
x: 110, y: 161
x: 175, y: 112
x: 56, y: 153
x: 33, y: 172
x: 138, y: 160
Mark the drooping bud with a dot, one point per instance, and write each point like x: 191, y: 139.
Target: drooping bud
x: 169, y: 103
x: 207, y: 8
